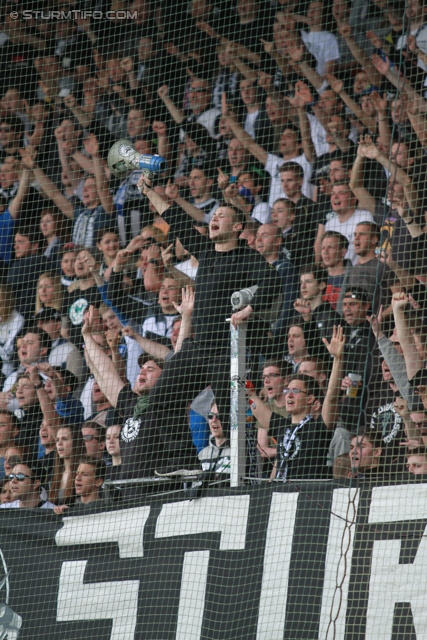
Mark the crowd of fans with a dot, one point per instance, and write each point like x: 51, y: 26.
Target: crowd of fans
x: 296, y: 140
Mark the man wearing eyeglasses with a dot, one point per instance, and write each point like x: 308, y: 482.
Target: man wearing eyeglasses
x: 302, y: 440
x: 199, y: 100
x: 275, y: 375
x: 25, y: 486
x: 94, y: 439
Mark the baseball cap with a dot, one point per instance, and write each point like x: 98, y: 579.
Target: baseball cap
x: 44, y: 315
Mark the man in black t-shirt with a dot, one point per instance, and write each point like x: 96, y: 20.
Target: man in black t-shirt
x: 302, y: 440
x: 138, y: 446
x: 225, y: 266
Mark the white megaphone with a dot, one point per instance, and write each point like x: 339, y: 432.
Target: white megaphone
x: 123, y: 158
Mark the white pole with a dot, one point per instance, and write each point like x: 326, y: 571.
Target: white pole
x: 237, y: 403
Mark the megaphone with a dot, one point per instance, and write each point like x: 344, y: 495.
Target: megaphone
x: 123, y: 158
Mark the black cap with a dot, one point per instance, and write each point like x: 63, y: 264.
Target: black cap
x: 145, y: 357
x: 357, y: 293
x: 44, y: 315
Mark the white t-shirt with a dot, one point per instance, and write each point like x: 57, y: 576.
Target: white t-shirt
x: 347, y: 228
x: 323, y: 46
x: 249, y: 125
x: 86, y: 397
x: 207, y: 119
x: 208, y: 207
x: 16, y: 505
x: 187, y: 269
x: 420, y: 38
x: 261, y: 212
x: 272, y: 167
x: 318, y: 135
x: 132, y: 366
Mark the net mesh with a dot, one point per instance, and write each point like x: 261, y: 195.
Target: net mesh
x: 213, y: 319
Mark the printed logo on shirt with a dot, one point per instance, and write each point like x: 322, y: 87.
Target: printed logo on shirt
x: 387, y: 421
x: 130, y: 430
x: 77, y: 310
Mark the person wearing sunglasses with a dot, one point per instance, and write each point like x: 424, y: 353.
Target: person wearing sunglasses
x: 26, y: 486
x: 216, y: 457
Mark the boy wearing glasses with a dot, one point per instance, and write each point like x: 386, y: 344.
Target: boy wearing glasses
x: 25, y: 485
x: 302, y: 440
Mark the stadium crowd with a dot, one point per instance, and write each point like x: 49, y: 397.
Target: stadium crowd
x: 296, y: 140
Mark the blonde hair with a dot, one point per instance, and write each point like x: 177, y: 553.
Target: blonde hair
x: 156, y: 233
x: 7, y: 302
x: 58, y: 292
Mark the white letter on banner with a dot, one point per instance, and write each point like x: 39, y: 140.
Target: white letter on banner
x: 390, y: 581
x: 277, y: 557
x: 192, y: 595
x: 125, y: 527
x: 99, y: 601
x: 229, y: 515
x: 338, y: 563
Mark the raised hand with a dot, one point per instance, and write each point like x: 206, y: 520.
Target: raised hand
x: 90, y: 262
x: 412, y: 43
x: 59, y: 133
x: 88, y: 323
x: 122, y: 258
x: 375, y: 320
x: 187, y: 302
x: 303, y: 307
x: 400, y: 405
x: 232, y: 190
x: 33, y: 373
x: 5, y: 398
x: 129, y: 332
x: 376, y: 41
x: 28, y: 157
x: 344, y: 29
x: 336, y: 345
x: 367, y: 148
x: 46, y: 369
x: 167, y: 255
x: 223, y: 179
x: 163, y: 91
x: 268, y: 46
x: 144, y: 184
x: 113, y: 338
x: 265, y: 80
x: 206, y: 27
x: 399, y: 301
x: 336, y: 85
x: 304, y: 91
x: 382, y: 66
x: 297, y: 100
x: 160, y: 128
x: 380, y: 104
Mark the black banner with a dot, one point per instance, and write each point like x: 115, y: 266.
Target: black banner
x: 317, y: 560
